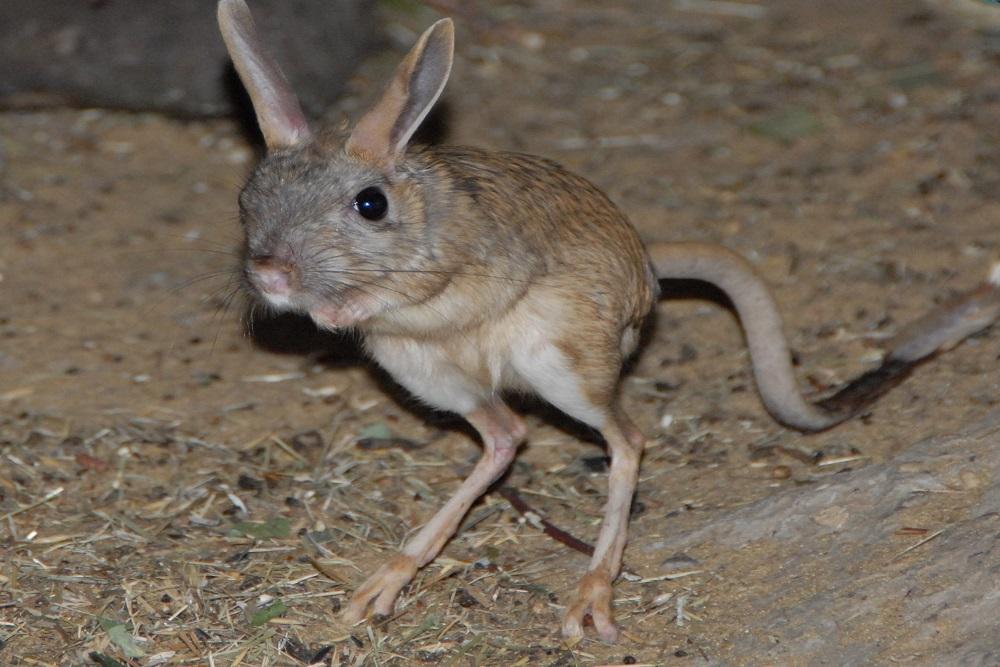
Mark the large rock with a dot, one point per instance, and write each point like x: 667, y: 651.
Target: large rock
x: 167, y: 55
x: 836, y: 583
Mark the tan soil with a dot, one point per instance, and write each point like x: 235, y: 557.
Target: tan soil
x: 127, y: 382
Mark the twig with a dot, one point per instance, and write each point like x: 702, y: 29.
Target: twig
x: 742, y: 10
x: 48, y: 496
x: 553, y: 531
x: 918, y: 544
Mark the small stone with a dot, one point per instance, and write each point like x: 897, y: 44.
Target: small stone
x: 970, y: 479
x: 465, y: 599
x: 248, y: 483
x: 781, y: 472
x: 532, y: 41
x: 832, y: 517
x: 595, y: 464
x: 671, y: 99
x: 897, y: 101
x: 679, y: 561
x: 307, y: 440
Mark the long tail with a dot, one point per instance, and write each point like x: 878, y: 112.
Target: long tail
x: 942, y: 328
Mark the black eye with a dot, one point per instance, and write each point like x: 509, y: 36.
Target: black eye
x: 371, y: 204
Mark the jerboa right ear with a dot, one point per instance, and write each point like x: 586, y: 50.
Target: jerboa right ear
x: 382, y: 134
x: 278, y: 111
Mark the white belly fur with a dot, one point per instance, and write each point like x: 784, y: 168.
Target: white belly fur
x: 470, y: 367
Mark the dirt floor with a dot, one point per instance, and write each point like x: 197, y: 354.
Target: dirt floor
x: 171, y: 487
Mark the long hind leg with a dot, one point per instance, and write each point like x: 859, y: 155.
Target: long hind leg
x: 589, y: 397
x: 594, y: 594
x: 502, y: 432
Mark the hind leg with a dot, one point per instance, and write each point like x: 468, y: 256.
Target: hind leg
x: 594, y: 593
x: 589, y: 398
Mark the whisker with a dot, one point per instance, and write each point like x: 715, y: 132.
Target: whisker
x: 227, y: 240
x: 206, y: 299
x: 368, y: 293
x: 316, y: 252
x: 173, y: 291
x: 319, y: 250
x: 251, y: 316
x: 403, y: 294
x: 160, y: 249
x: 160, y: 300
x: 223, y: 308
x: 464, y: 274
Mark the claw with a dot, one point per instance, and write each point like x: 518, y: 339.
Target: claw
x: 381, y: 589
x: 593, y: 597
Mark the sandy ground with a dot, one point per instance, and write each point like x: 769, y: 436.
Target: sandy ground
x: 849, y: 149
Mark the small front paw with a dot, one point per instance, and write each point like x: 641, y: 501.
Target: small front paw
x: 381, y: 589
x: 594, y: 597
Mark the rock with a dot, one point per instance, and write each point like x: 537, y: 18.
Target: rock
x: 984, y: 15
x: 851, y: 579
x: 168, y: 56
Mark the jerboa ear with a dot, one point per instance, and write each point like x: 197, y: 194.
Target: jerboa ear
x: 382, y: 134
x: 278, y: 112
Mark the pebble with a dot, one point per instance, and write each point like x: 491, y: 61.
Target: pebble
x: 832, y: 517
x: 970, y: 479
x: 609, y: 93
x: 671, y: 99
x: 843, y: 61
x: 532, y: 41
x: 238, y: 156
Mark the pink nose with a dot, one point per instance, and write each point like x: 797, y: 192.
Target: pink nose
x: 272, y: 276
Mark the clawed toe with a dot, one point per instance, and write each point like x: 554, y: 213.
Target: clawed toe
x: 380, y: 590
x: 593, y: 597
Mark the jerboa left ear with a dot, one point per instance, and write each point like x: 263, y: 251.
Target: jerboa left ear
x: 383, y: 132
